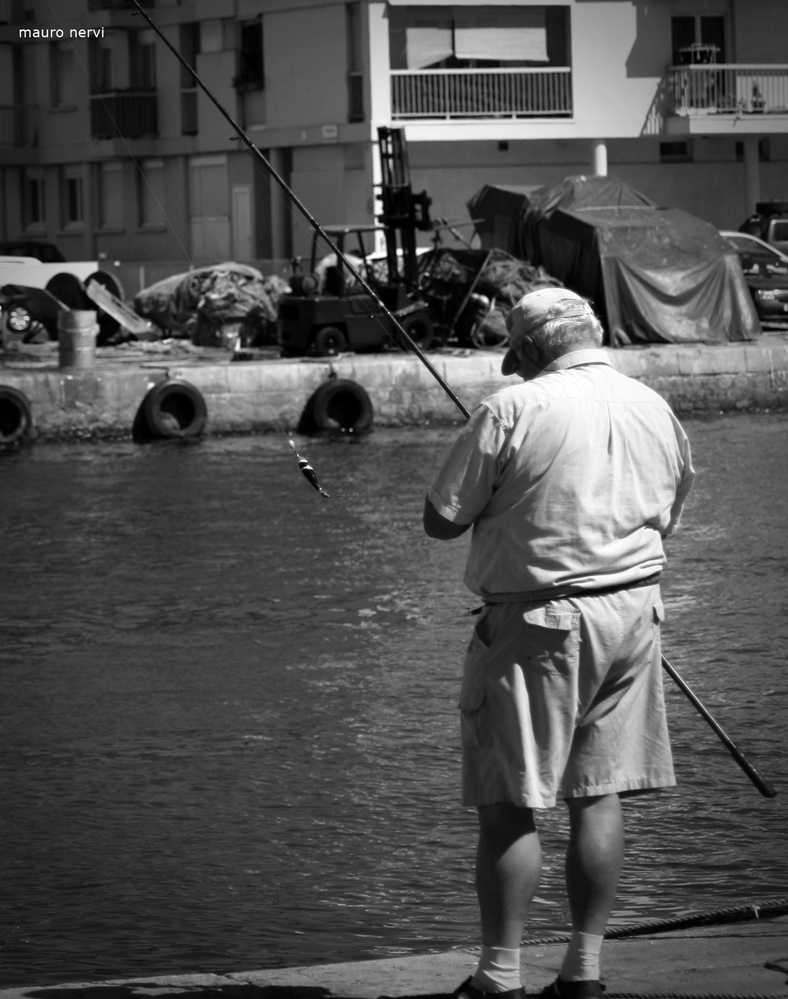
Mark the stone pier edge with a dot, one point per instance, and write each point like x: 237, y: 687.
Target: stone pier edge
x: 262, y: 395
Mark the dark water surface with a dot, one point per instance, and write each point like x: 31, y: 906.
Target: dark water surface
x: 228, y: 727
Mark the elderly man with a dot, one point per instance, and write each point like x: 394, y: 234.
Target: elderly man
x: 570, y: 480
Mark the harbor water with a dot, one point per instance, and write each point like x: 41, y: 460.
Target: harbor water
x: 228, y: 725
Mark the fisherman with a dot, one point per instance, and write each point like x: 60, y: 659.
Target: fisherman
x: 570, y: 480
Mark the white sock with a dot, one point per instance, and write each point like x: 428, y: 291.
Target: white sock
x: 498, y: 969
x: 581, y: 961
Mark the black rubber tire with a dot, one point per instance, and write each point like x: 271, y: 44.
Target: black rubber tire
x: 419, y: 328
x: 338, y: 405
x: 16, y: 416
x: 174, y: 408
x: 329, y: 340
x: 68, y: 289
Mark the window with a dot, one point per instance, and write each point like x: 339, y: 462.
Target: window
x: 72, y: 203
x: 100, y: 60
x: 111, y: 195
x: 190, y: 48
x: 142, y: 59
x: 432, y: 37
x: 675, y: 152
x: 33, y: 200
x: 151, y: 194
x: 698, y: 38
x: 64, y: 93
x: 250, y: 56
x: 354, y: 63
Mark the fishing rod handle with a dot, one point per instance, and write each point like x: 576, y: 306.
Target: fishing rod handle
x: 757, y: 779
x: 763, y: 785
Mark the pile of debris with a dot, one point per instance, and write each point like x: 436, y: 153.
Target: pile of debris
x: 470, y: 292
x: 224, y: 305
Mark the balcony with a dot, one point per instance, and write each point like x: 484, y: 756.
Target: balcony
x: 127, y: 114
x: 732, y: 90
x: 481, y: 93
x: 18, y: 126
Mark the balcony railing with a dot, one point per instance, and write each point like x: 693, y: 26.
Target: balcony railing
x: 481, y: 93
x: 132, y: 115
x: 18, y: 126
x: 728, y: 89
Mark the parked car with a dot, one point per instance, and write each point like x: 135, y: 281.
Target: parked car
x: 27, y: 314
x: 47, y: 253
x: 766, y: 272
x: 769, y: 223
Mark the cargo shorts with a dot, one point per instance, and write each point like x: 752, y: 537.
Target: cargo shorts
x: 564, y: 698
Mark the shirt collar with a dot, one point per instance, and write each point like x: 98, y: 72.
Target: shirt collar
x: 574, y: 358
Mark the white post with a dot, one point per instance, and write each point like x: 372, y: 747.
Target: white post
x: 599, y: 158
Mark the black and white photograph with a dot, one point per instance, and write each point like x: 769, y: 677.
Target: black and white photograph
x: 393, y: 499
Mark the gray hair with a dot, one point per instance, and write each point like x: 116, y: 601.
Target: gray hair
x: 566, y: 333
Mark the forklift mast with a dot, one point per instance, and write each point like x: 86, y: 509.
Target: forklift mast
x: 403, y: 211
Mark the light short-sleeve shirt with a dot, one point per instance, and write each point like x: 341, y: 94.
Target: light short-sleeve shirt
x: 571, y: 480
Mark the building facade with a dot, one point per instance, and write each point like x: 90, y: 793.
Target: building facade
x: 110, y: 148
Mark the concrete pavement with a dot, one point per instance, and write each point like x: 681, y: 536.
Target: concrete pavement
x: 732, y: 959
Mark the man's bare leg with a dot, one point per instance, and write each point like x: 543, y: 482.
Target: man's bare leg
x: 508, y: 866
x: 594, y: 860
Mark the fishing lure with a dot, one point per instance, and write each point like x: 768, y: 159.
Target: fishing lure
x: 308, y: 472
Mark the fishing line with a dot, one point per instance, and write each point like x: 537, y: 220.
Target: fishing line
x: 308, y: 216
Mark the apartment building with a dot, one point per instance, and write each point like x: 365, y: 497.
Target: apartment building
x: 108, y: 146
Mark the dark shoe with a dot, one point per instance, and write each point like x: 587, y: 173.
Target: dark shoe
x: 560, y: 989
x: 469, y: 991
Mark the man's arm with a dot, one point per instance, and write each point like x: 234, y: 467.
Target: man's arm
x: 439, y: 527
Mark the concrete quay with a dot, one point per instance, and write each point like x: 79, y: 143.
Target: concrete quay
x: 739, y: 959
x: 265, y: 393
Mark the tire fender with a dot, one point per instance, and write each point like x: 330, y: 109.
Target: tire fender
x: 16, y: 416
x: 338, y: 404
x: 174, y: 408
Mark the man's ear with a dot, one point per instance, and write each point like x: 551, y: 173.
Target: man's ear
x: 530, y: 350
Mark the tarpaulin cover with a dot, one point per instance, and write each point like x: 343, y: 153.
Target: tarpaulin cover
x: 506, y: 214
x: 220, y: 293
x: 498, y: 213
x: 654, y: 274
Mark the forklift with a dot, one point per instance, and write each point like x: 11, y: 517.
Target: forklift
x: 328, y: 311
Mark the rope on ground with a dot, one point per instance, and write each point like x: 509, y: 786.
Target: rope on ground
x: 736, y: 914
x: 695, y: 995
x: 740, y: 913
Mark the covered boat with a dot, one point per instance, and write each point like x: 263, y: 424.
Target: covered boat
x: 655, y: 275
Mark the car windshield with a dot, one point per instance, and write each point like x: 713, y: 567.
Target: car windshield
x: 759, y: 254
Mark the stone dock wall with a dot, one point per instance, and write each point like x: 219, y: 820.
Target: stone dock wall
x: 103, y: 401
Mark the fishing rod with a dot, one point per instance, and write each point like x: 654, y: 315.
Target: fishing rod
x: 763, y: 785
x: 758, y: 780
x: 309, y: 217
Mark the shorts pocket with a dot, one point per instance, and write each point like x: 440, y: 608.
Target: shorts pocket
x: 552, y: 638
x: 472, y: 690
x: 659, y: 612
